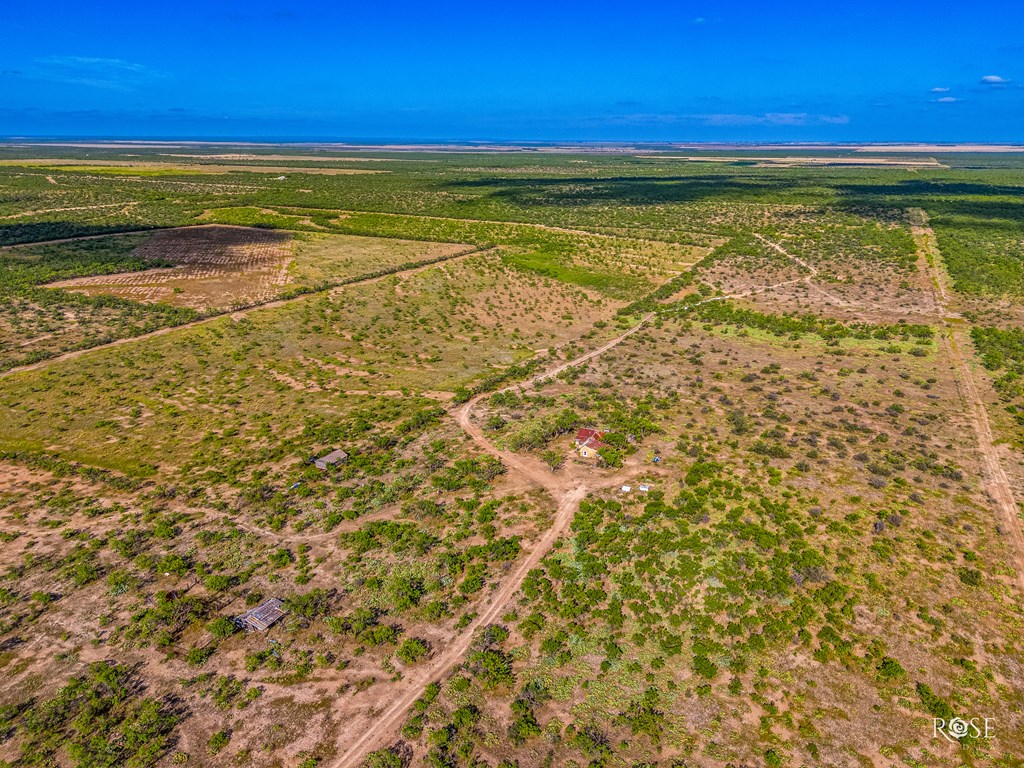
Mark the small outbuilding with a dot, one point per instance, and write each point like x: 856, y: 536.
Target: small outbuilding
x: 262, y: 617
x: 331, y: 459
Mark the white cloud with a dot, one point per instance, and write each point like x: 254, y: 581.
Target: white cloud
x: 994, y: 80
x: 772, y: 118
x: 947, y: 100
x: 92, y: 62
x: 940, y: 90
x: 699, y: 20
x: 722, y: 119
x: 92, y: 72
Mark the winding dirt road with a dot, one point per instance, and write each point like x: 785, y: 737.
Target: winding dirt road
x: 568, y: 487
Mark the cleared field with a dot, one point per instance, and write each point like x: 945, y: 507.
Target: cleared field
x: 215, y: 268
x: 174, y: 276
x: 220, y: 267
x: 37, y: 322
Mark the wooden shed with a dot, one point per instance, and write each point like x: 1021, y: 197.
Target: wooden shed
x: 331, y: 459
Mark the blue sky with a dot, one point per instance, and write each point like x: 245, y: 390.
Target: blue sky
x: 682, y: 71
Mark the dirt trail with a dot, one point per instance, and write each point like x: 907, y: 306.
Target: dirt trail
x: 812, y: 272
x: 567, y: 487
x: 41, y: 211
x: 954, y: 341
x: 411, y: 686
x: 236, y: 314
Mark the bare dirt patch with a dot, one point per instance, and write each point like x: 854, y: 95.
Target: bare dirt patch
x: 217, y: 267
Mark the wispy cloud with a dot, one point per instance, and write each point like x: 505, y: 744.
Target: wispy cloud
x: 947, y: 100
x: 772, y: 118
x: 994, y: 80
x: 940, y: 90
x: 726, y: 119
x: 92, y: 72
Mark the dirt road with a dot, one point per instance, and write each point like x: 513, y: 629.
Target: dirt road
x: 954, y: 340
x: 411, y: 686
x: 568, y: 487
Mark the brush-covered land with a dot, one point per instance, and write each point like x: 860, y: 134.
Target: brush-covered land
x: 644, y: 460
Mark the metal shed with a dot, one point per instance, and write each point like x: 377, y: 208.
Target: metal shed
x: 262, y: 617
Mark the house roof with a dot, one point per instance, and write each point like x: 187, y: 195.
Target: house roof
x: 590, y: 438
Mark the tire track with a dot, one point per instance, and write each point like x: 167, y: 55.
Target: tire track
x: 954, y: 341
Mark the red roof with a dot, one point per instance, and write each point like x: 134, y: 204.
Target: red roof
x: 590, y: 438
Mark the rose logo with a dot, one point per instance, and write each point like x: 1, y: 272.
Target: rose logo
x: 957, y: 728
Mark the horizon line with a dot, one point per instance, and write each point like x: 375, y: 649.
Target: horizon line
x: 411, y: 144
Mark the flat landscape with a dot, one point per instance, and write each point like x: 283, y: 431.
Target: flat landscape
x: 349, y: 456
